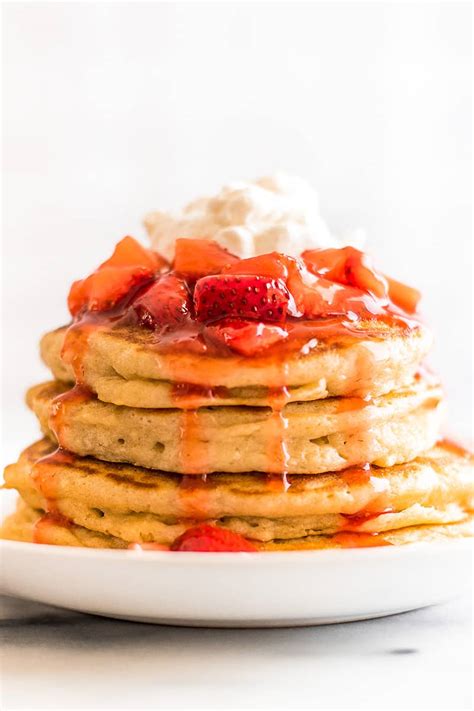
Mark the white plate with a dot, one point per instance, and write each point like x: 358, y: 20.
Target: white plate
x: 238, y: 589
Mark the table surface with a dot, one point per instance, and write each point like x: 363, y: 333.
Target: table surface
x: 54, y: 659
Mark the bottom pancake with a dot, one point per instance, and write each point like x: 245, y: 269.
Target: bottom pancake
x: 31, y: 525
x: 127, y: 504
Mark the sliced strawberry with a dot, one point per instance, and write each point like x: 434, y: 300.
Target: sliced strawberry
x: 212, y: 539
x: 105, y: 288
x: 246, y: 338
x: 199, y: 257
x: 257, y: 298
x: 128, y: 252
x: 403, y: 296
x: 347, y: 266
x: 165, y: 303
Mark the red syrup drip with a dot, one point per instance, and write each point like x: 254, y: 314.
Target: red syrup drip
x: 189, y: 396
x: 374, y: 490
x: 60, y: 408
x: 277, y: 456
x: 194, y: 497
x: 44, y: 476
x: 279, y: 483
x: 354, y: 521
x: 454, y: 447
x: 352, y: 404
x: 45, y: 523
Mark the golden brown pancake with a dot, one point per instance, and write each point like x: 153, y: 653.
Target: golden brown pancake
x: 124, y: 366
x: 319, y: 436
x: 135, y: 504
x: 23, y: 526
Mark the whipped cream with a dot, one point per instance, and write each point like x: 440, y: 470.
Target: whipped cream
x: 277, y: 213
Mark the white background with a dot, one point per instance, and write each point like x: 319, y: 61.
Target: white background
x: 114, y: 109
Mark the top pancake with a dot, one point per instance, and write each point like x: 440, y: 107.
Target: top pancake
x: 123, y: 366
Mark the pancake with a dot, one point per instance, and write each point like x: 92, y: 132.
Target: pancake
x: 29, y: 525
x: 133, y: 504
x: 318, y: 436
x: 126, y: 366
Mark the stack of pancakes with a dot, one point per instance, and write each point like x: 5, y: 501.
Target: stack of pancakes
x: 332, y: 446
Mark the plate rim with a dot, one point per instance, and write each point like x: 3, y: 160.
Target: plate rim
x: 219, y: 557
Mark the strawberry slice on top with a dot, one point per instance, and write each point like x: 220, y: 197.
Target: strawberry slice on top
x: 195, y: 258
x: 257, y: 298
x: 128, y: 252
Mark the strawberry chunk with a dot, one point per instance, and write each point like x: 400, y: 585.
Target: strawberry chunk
x: 128, y: 252
x: 212, y: 539
x: 272, y: 264
x: 105, y: 288
x: 251, y: 297
x: 403, y: 296
x: 165, y: 303
x: 347, y: 266
x: 200, y: 257
x: 246, y: 338
x: 129, y: 267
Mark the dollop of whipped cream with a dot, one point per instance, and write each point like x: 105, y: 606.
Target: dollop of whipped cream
x: 276, y: 213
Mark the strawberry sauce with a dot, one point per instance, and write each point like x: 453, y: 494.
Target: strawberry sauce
x: 44, y: 524
x: 59, y: 410
x: 44, y: 475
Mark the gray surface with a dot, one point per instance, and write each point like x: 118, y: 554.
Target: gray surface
x: 55, y: 659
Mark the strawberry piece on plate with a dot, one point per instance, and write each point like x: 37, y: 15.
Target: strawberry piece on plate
x: 212, y: 539
x: 165, y: 303
x: 245, y: 337
x: 200, y: 257
x: 252, y: 297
